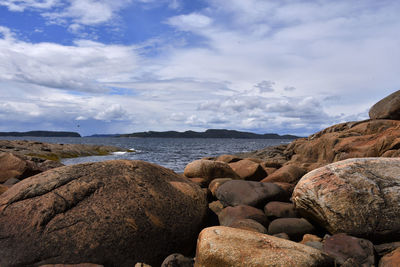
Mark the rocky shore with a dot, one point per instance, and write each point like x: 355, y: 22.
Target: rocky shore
x: 332, y: 199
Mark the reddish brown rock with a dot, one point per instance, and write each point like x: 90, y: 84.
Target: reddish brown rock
x: 277, y: 209
x: 248, y: 170
x: 3, y: 189
x: 336, y: 196
x: 391, y: 260
x: 13, y: 166
x: 177, y: 260
x: 216, y: 206
x: 250, y: 225
x: 387, y: 108
x: 256, y: 194
x: 228, y: 158
x: 268, y: 170
x: 199, y: 181
x: 209, y: 170
x: 342, y: 247
x: 213, y: 186
x: 230, y: 214
x: 287, y: 174
x: 114, y: 213
x: 310, y: 238
x: 288, y: 188
x: 224, y: 246
x: 386, y: 248
x: 296, y: 228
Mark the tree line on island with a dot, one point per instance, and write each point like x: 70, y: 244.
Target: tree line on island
x: 211, y: 133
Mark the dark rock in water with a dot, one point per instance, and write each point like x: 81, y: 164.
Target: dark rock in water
x: 248, y: 170
x: 177, y: 260
x: 249, y: 224
x: 230, y: 214
x: 296, y: 228
x: 114, y: 213
x: 391, y: 260
x: 359, y: 197
x: 209, y: 170
x: 343, y: 247
x: 387, y: 108
x: 276, y: 209
x: 256, y: 194
x: 226, y: 246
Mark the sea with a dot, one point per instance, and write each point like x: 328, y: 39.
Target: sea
x: 172, y: 153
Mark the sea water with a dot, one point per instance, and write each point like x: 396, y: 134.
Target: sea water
x: 173, y: 153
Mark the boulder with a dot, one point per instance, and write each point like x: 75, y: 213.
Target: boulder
x: 114, y: 213
x: 250, y: 225
x: 216, y: 206
x: 3, y: 189
x: 10, y: 182
x: 287, y: 174
x: 228, y: 158
x: 387, y: 108
x: 230, y: 214
x: 288, y: 188
x: 336, y: 197
x: 248, y: 170
x: 13, y: 166
x: 277, y: 209
x: 209, y: 170
x: 213, y: 186
x: 296, y: 228
x: 223, y: 246
x: 256, y: 194
x: 391, y: 260
x: 386, y: 248
x: 310, y: 238
x: 177, y: 260
x: 342, y: 247
x: 282, y: 235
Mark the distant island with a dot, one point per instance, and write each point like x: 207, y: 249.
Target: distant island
x: 211, y: 133
x: 41, y: 134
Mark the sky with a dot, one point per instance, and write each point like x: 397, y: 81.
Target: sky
x: 264, y: 66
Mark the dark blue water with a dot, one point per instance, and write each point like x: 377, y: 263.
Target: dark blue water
x: 173, y: 153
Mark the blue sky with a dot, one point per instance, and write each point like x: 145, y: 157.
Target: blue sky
x: 121, y: 66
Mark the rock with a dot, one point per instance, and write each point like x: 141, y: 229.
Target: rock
x: 141, y: 264
x: 223, y: 246
x: 177, y: 260
x: 228, y: 158
x: 213, y: 186
x: 276, y: 209
x: 391, y: 260
x: 386, y: 248
x: 272, y: 156
x: 287, y: 174
x: 282, y: 235
x: 268, y: 170
x: 343, y: 247
x: 73, y: 265
x: 256, y: 194
x: 336, y: 197
x: 294, y: 227
x: 248, y: 170
x: 288, y: 188
x: 230, y: 214
x: 387, y: 108
x: 3, y: 189
x: 115, y: 213
x: 12, y: 181
x: 199, y: 181
x: 310, y: 238
x: 315, y: 244
x: 216, y: 206
x: 13, y: 166
x: 209, y: 170
x: 250, y: 225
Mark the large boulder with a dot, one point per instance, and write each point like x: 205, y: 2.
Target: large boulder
x: 114, y: 213
x: 209, y: 170
x: 13, y: 166
x: 248, y: 170
x: 256, y: 194
x: 359, y: 197
x: 387, y: 108
x: 223, y: 246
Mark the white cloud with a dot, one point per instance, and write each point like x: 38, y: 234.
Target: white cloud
x: 21, y: 5
x: 190, y: 22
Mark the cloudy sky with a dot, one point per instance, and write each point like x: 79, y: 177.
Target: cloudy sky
x: 121, y: 66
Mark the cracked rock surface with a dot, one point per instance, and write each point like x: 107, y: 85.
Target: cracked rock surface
x: 114, y: 213
x: 360, y: 197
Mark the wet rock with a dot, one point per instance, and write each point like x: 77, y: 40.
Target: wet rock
x: 249, y: 224
x: 223, y: 246
x: 209, y: 170
x: 248, y: 170
x: 276, y: 209
x: 177, y: 260
x: 287, y: 174
x: 387, y: 108
x: 296, y: 228
x: 391, y: 260
x: 343, y: 247
x: 256, y: 194
x: 336, y: 196
x: 213, y: 186
x: 114, y: 213
x: 230, y: 214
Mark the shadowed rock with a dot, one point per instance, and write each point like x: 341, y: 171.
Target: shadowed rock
x: 387, y: 108
x: 114, y: 213
x: 230, y: 214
